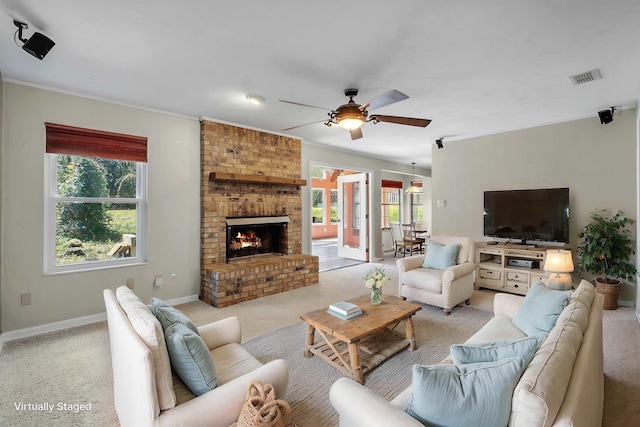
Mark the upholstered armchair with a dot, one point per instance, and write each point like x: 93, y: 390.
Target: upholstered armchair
x: 445, y: 287
x: 147, y: 392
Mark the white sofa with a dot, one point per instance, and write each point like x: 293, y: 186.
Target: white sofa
x: 442, y: 288
x: 146, y: 393
x: 562, y: 386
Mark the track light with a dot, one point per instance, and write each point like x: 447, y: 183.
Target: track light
x: 606, y: 116
x: 38, y: 45
x: 439, y: 143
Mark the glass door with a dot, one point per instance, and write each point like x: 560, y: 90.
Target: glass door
x: 353, y: 221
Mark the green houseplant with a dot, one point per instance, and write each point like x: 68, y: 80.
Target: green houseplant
x: 605, y: 250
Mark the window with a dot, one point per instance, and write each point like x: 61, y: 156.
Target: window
x: 95, y: 199
x: 390, y: 203
x: 416, y: 208
x: 317, y: 205
x: 334, y: 206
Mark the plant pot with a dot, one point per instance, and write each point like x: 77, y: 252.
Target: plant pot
x: 610, y: 291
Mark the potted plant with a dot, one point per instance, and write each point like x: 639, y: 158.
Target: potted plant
x: 605, y: 250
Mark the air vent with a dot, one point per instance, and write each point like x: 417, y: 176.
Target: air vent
x: 586, y: 77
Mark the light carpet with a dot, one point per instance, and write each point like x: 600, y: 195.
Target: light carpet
x: 310, y: 379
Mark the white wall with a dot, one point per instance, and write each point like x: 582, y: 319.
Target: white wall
x: 1, y: 272
x: 597, y: 162
x: 173, y: 222
x: 315, y: 154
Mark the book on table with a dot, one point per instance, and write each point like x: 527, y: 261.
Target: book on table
x: 342, y: 316
x: 344, y: 307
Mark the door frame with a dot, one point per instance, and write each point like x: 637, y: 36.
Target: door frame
x: 358, y: 169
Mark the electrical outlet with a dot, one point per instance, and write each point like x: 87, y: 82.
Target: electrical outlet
x: 158, y: 280
x: 442, y: 203
x: 130, y: 283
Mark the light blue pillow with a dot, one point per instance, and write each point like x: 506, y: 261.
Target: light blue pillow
x: 439, y: 256
x: 168, y: 315
x: 190, y: 358
x: 470, y: 395
x: 492, y: 352
x: 540, y: 310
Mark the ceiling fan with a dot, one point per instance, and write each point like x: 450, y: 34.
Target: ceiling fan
x: 351, y: 116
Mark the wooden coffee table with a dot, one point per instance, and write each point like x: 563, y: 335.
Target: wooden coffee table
x: 357, y: 345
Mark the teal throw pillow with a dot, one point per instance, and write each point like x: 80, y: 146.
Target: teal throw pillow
x: 190, y: 358
x: 478, y: 394
x: 439, y: 256
x: 168, y: 315
x: 492, y: 352
x: 540, y: 310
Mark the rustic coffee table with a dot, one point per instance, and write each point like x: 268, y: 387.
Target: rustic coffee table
x: 357, y: 345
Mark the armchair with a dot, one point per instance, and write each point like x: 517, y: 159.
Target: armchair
x: 442, y: 288
x: 147, y: 394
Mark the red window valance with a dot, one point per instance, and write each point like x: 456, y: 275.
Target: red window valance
x: 387, y: 183
x: 62, y: 139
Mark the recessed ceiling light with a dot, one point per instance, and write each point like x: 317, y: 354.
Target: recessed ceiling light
x: 255, y: 99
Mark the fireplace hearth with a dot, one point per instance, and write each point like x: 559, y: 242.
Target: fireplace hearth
x: 252, y: 236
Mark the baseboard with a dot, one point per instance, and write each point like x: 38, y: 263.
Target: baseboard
x: 71, y: 323
x: 638, y: 316
x: 623, y: 303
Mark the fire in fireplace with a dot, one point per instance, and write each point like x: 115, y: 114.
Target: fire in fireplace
x: 249, y: 236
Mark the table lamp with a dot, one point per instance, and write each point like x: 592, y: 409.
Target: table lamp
x: 559, y: 264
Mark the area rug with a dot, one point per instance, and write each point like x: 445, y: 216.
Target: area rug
x: 310, y: 379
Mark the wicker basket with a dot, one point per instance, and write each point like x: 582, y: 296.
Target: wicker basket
x: 610, y: 293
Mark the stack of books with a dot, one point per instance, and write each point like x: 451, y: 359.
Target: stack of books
x: 344, y: 310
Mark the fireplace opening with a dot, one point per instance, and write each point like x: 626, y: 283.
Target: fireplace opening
x: 251, y: 236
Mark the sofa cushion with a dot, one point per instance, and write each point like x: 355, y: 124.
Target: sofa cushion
x: 440, y: 256
x: 190, y: 358
x: 541, y: 390
x: 427, y: 279
x: 148, y: 328
x: 540, y: 310
x: 494, y: 351
x: 168, y: 315
x: 476, y: 394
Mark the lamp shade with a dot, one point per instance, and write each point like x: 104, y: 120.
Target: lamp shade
x: 558, y: 261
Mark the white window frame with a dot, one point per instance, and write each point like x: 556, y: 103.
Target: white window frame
x: 52, y: 198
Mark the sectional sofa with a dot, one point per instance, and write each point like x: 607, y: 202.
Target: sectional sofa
x: 563, y: 385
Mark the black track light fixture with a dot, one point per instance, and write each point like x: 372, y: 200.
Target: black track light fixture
x: 439, y: 143
x: 37, y: 45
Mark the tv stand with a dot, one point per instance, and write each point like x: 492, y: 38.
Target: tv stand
x: 494, y: 272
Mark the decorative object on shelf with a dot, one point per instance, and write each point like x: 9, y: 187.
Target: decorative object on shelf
x: 605, y: 250
x: 375, y: 280
x: 414, y: 188
x: 559, y: 263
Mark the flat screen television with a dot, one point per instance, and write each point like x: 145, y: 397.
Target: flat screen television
x: 527, y: 215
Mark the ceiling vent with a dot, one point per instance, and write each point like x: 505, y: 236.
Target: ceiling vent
x: 586, y: 77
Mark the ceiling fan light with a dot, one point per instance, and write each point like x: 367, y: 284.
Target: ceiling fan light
x: 350, y: 123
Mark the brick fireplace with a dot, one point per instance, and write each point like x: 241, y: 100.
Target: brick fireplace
x: 251, y: 187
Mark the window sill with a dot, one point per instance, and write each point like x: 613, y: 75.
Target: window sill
x: 56, y: 272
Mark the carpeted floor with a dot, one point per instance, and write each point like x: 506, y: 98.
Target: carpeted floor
x: 310, y: 379
x: 73, y: 366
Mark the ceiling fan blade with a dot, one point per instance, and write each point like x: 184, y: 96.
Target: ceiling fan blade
x: 401, y: 120
x: 304, y: 105
x: 295, y: 127
x: 385, y: 99
x: 356, y: 133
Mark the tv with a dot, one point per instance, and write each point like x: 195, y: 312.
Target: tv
x: 527, y: 215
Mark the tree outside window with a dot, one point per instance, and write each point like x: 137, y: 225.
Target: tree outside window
x: 317, y: 205
x: 334, y: 206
